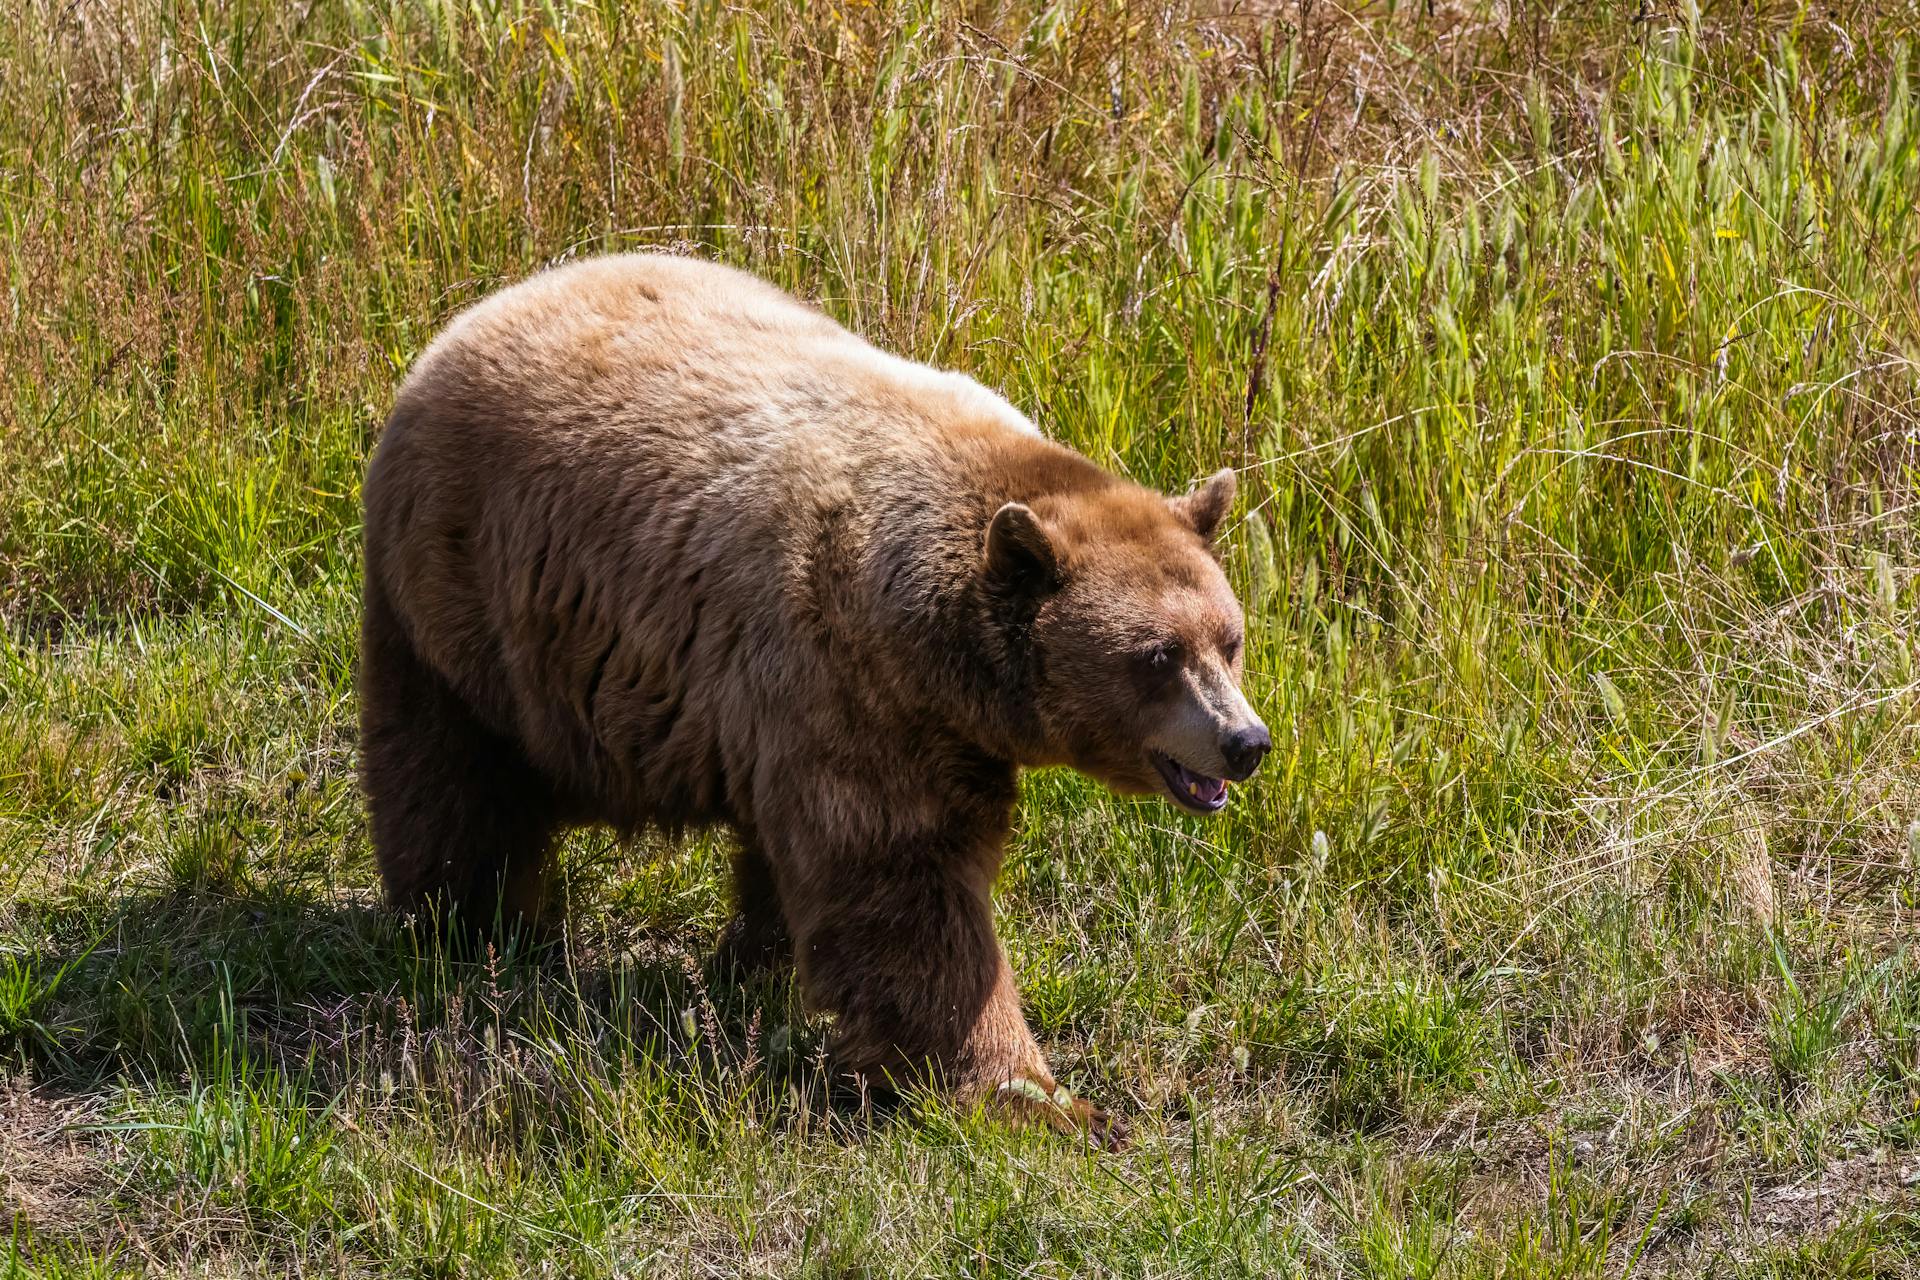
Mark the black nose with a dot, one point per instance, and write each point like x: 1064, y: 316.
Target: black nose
x: 1245, y: 749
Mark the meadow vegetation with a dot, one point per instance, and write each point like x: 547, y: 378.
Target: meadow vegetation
x: 1569, y: 355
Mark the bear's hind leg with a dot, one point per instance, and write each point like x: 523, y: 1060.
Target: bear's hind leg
x: 462, y: 823
x: 905, y: 957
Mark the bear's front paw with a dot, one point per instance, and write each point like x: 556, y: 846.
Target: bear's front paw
x: 1025, y: 1102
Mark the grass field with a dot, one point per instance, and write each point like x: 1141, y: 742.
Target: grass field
x: 1572, y: 361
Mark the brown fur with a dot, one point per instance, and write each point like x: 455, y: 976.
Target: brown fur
x: 649, y: 542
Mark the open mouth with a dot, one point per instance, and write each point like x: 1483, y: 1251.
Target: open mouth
x: 1195, y: 791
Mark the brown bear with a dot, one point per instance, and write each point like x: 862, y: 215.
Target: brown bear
x: 651, y: 542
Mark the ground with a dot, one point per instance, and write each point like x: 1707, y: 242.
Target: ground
x: 1569, y: 359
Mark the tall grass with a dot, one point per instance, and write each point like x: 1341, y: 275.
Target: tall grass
x: 1569, y: 361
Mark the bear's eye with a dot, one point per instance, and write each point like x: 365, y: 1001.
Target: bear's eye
x: 1162, y: 658
x: 1230, y: 648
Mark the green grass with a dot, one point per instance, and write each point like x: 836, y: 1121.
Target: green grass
x: 1570, y: 360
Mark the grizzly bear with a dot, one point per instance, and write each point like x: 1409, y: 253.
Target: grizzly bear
x: 650, y: 542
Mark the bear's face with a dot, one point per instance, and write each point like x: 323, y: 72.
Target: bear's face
x: 1136, y: 639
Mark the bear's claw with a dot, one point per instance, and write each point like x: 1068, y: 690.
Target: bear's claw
x: 1026, y: 1104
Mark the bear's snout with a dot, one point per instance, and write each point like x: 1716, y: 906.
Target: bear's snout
x: 1244, y: 749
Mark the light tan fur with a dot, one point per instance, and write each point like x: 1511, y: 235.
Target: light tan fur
x: 651, y: 542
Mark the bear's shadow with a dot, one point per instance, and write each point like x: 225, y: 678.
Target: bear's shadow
x: 186, y: 984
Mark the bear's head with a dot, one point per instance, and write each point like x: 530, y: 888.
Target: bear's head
x: 1133, y: 637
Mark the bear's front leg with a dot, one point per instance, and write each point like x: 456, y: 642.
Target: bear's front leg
x: 902, y: 951
x: 755, y: 940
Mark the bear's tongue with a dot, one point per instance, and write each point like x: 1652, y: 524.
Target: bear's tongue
x: 1196, y: 789
x: 1208, y: 791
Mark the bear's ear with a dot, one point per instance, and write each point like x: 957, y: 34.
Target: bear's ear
x: 1019, y: 554
x: 1208, y: 504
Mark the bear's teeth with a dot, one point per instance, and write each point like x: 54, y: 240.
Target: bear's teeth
x: 1193, y: 789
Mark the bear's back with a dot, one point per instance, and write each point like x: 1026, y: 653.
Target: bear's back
x: 659, y: 341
